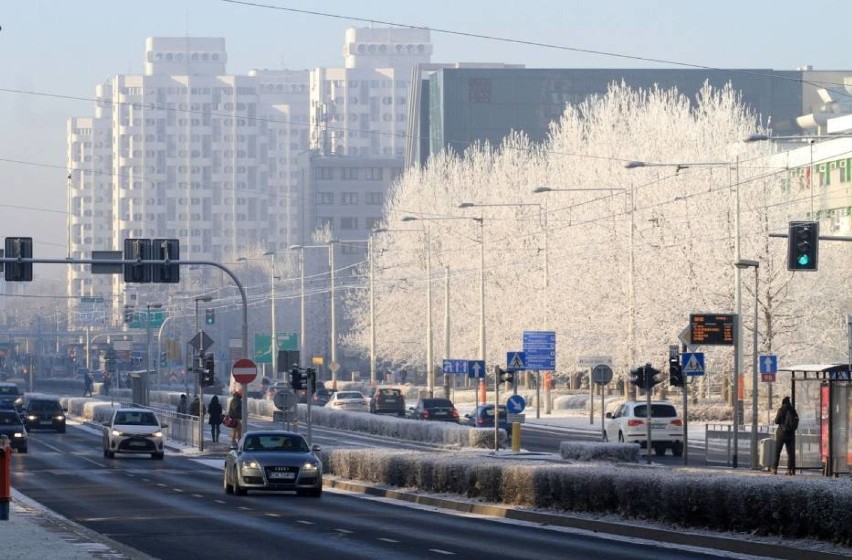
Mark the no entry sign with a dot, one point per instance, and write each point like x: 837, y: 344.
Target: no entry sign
x: 244, y: 371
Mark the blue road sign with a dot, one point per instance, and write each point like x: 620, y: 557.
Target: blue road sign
x: 692, y: 363
x: 455, y: 367
x: 516, y: 361
x: 515, y: 404
x: 540, y: 350
x: 476, y: 368
x: 768, y: 363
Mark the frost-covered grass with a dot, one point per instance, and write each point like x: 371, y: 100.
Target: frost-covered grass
x: 818, y: 508
x: 596, y: 451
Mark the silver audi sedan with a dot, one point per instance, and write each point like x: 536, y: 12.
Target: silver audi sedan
x: 273, y: 460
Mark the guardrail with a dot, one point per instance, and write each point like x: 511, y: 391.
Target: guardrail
x: 719, y: 446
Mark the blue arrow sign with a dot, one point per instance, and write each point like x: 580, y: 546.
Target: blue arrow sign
x: 476, y: 368
x: 540, y: 350
x: 516, y: 361
x: 768, y: 363
x: 455, y: 367
x: 692, y: 363
x: 516, y: 404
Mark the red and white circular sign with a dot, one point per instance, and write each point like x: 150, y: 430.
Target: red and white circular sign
x: 244, y: 371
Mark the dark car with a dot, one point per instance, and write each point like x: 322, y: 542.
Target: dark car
x: 387, y: 400
x: 45, y: 413
x: 483, y: 417
x: 12, y: 426
x: 273, y: 460
x: 434, y: 409
x: 10, y: 396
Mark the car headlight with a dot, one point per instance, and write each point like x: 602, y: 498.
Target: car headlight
x: 250, y: 465
x: 32, y: 418
x: 308, y: 466
x: 116, y: 433
x: 59, y: 417
x: 19, y: 435
x: 19, y: 401
x: 157, y: 434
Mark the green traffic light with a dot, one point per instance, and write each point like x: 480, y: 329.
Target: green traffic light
x: 804, y: 260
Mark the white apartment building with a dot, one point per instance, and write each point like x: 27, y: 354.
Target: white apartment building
x: 186, y: 151
x: 361, y: 110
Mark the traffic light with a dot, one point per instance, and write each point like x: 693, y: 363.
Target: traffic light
x: 134, y: 250
x: 163, y: 359
x: 210, y: 316
x: 311, y: 377
x: 504, y: 376
x: 637, y: 377
x: 208, y: 374
x: 675, y: 369
x: 803, y: 246
x: 296, y: 379
x: 651, y: 378
x: 129, y: 313
x: 18, y: 247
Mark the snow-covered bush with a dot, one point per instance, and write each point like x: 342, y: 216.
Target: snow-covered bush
x: 596, y: 451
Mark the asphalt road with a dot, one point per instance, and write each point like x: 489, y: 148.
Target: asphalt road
x: 177, y: 508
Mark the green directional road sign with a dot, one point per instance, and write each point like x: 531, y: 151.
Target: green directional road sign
x: 140, y: 319
x: 263, y: 343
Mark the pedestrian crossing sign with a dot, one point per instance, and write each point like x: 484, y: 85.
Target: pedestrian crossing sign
x: 693, y: 363
x: 516, y: 361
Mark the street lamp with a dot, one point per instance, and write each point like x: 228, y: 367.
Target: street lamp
x: 146, y: 390
x: 740, y: 264
x: 302, y: 329
x: 273, y: 338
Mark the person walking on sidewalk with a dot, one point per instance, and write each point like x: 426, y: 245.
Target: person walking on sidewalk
x: 787, y: 420
x: 214, y: 411
x: 235, y: 413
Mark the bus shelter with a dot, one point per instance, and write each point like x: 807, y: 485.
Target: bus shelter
x: 824, y: 438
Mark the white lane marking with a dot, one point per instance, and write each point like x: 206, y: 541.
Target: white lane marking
x: 270, y: 514
x: 385, y: 539
x: 439, y: 551
x: 160, y: 484
x: 177, y: 489
x: 344, y: 531
x: 303, y: 522
x: 220, y: 501
x: 198, y: 495
x: 244, y: 508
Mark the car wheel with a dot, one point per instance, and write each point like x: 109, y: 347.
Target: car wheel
x: 228, y: 488
x: 605, y: 436
x: 659, y: 450
x: 315, y: 493
x: 677, y: 449
x: 22, y: 450
x: 238, y: 490
x: 60, y: 430
x: 620, y: 437
x: 158, y: 456
x: 110, y: 454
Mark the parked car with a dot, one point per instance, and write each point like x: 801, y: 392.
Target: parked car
x: 387, y: 400
x: 629, y: 424
x: 12, y: 426
x: 434, y: 409
x: 273, y: 460
x: 11, y: 395
x: 353, y: 401
x: 133, y: 430
x: 483, y: 417
x: 321, y: 395
x: 44, y: 413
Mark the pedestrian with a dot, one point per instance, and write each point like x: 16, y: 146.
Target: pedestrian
x: 107, y: 382
x: 181, y: 407
x: 87, y: 384
x: 214, y: 411
x: 235, y: 413
x: 195, y: 407
x: 787, y: 420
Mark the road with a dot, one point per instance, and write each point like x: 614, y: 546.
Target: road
x: 177, y: 509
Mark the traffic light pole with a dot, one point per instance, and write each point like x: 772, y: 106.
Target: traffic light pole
x: 648, y: 386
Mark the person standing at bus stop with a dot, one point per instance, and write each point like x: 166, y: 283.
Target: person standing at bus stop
x: 787, y: 420
x: 235, y: 413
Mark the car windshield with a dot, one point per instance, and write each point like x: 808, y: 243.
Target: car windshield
x: 437, y: 403
x: 136, y: 419
x: 8, y: 418
x: 44, y: 406
x: 657, y: 411
x: 350, y: 395
x: 489, y: 412
x: 273, y: 442
x: 9, y: 390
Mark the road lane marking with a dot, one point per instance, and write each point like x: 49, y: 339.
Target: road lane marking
x: 344, y: 531
x: 220, y: 501
x: 198, y: 495
x: 385, y: 539
x: 439, y: 551
x: 303, y: 522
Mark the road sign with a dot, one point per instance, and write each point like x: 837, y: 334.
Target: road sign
x: 476, y: 368
x: 602, y: 374
x: 263, y: 344
x: 693, y: 363
x: 141, y: 317
x: 454, y: 367
x: 317, y: 360
x: 201, y: 341
x: 515, y: 404
x: 285, y: 400
x: 516, y: 361
x: 767, y: 377
x: 334, y: 366
x: 592, y: 361
x: 244, y: 371
x: 768, y: 363
x: 713, y: 329
x: 519, y: 418
x: 540, y: 350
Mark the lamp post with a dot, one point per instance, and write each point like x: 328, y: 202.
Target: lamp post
x: 197, y: 364
x: 146, y: 394
x: 302, y: 328
x: 273, y: 337
x: 740, y: 264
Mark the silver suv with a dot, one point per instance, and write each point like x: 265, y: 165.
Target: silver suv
x: 629, y: 424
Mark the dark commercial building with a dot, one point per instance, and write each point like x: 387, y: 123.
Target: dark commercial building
x: 454, y: 108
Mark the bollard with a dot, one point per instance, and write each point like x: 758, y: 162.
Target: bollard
x: 5, y: 477
x: 516, y: 437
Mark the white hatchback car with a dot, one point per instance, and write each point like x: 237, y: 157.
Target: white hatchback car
x: 353, y: 401
x: 134, y: 430
x: 629, y: 424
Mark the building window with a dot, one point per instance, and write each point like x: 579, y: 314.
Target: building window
x: 375, y: 198
x: 322, y: 222
x: 349, y: 198
x: 349, y: 173
x: 325, y: 198
x: 324, y: 173
x: 348, y: 223
x: 479, y: 90
x: 374, y: 173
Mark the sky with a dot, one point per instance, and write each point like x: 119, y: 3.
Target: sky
x: 66, y: 48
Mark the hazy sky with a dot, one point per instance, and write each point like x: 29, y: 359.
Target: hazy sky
x: 66, y: 47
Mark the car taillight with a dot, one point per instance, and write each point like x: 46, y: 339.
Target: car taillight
x: 480, y: 421
x: 635, y: 422
x: 425, y: 414
x: 677, y: 422
x: 455, y: 414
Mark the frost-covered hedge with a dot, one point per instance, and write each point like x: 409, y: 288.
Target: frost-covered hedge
x: 818, y: 508
x: 596, y: 451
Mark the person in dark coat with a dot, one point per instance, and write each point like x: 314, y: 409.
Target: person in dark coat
x: 787, y: 420
x: 235, y: 412
x: 214, y: 411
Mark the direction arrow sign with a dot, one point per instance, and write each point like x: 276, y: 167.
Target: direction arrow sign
x: 768, y: 363
x: 516, y: 361
x: 693, y: 363
x: 244, y: 371
x: 201, y: 341
x: 455, y: 367
x: 476, y: 368
x: 516, y: 404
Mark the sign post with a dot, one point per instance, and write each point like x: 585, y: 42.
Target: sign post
x: 602, y: 375
x: 540, y: 353
x: 244, y: 372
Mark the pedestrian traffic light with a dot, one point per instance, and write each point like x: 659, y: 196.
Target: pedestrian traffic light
x: 163, y: 359
x: 637, y: 377
x: 208, y: 373
x: 210, y: 316
x: 803, y: 246
x: 296, y: 379
x: 675, y: 369
x: 129, y: 313
x: 504, y: 376
x: 18, y: 247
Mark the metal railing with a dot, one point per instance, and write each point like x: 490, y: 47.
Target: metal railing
x: 719, y: 446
